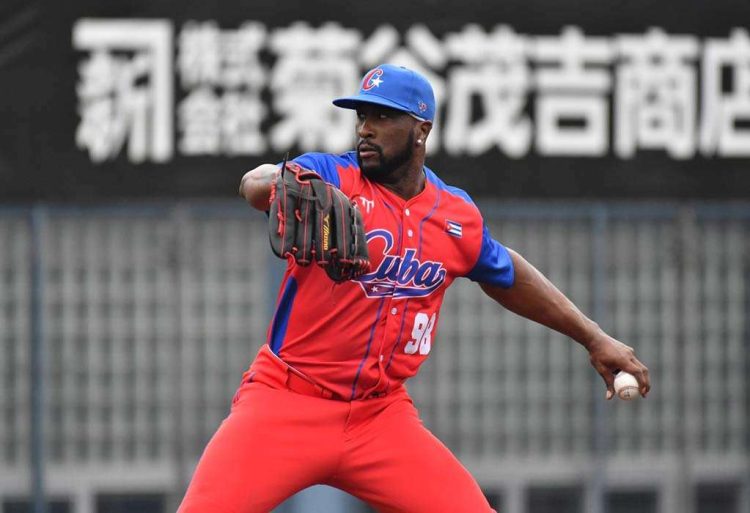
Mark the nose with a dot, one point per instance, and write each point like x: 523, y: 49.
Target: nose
x: 364, y: 128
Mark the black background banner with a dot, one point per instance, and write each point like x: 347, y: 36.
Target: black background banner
x: 39, y: 66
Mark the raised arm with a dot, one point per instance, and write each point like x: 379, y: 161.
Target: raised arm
x: 255, y: 185
x: 533, y: 296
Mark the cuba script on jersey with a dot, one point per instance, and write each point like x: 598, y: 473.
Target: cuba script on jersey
x: 368, y: 335
x: 401, y: 276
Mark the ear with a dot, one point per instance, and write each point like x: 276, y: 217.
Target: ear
x: 423, y: 130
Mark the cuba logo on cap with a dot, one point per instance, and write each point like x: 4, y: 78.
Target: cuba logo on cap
x: 372, y: 79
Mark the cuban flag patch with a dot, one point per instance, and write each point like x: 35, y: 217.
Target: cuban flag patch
x: 453, y: 228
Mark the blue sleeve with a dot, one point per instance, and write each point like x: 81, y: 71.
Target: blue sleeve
x: 494, y: 265
x: 323, y: 164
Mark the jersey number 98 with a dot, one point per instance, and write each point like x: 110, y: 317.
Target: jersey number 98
x: 421, y: 334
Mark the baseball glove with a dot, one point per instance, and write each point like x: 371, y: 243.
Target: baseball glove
x: 313, y: 221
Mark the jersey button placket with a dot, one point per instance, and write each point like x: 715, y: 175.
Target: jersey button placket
x: 397, y: 310
x: 392, y: 321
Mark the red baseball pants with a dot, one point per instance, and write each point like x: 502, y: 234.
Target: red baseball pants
x: 276, y: 442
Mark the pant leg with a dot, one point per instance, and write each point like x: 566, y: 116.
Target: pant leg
x: 395, y: 464
x: 273, y: 444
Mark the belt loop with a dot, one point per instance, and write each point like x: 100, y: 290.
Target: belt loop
x: 296, y: 380
x: 302, y: 385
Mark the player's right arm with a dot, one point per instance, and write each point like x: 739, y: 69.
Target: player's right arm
x: 256, y: 185
x: 533, y: 296
x: 512, y: 281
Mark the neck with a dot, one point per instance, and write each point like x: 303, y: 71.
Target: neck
x: 407, y: 182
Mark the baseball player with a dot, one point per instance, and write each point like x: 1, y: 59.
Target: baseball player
x: 324, y: 400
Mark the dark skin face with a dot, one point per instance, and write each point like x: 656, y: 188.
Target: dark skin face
x: 390, y: 148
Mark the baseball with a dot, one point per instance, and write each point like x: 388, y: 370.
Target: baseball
x: 626, y: 386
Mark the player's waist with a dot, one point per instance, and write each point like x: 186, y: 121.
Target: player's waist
x: 270, y: 369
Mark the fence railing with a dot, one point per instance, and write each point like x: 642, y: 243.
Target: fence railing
x: 152, y: 312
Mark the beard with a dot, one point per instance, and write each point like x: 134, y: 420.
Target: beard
x: 383, y: 171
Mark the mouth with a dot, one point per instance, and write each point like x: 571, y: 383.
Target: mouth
x: 367, y: 152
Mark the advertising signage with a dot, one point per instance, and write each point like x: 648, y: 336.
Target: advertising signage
x: 140, y: 103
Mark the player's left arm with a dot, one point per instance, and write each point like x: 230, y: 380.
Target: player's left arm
x: 533, y: 296
x: 256, y: 185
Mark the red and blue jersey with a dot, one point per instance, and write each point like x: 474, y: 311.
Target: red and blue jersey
x: 366, y: 336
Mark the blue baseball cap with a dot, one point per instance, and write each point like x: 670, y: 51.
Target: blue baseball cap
x: 395, y: 87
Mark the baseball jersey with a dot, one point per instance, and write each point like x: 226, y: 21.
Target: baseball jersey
x: 363, y: 337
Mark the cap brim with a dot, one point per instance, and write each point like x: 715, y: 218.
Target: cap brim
x: 351, y: 102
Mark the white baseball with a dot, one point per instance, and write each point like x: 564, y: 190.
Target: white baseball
x: 626, y: 386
